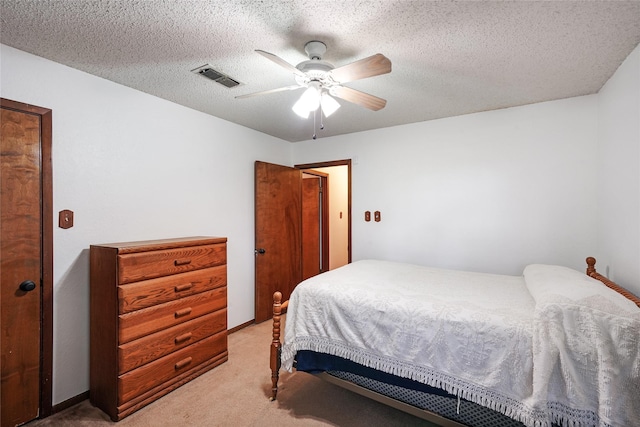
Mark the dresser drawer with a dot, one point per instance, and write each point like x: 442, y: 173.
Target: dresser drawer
x: 148, y: 265
x: 153, y: 319
x: 138, y: 295
x: 152, y: 374
x: 146, y: 349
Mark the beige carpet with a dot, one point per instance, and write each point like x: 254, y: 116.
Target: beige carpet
x: 236, y: 394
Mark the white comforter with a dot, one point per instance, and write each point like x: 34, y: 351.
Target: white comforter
x: 527, y: 346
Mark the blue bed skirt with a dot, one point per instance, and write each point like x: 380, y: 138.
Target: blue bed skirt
x: 312, y: 362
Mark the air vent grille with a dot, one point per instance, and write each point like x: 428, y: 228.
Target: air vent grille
x: 212, y: 74
x: 218, y: 77
x: 228, y: 82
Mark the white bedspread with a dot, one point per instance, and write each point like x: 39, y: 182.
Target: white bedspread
x: 486, y: 338
x: 586, y: 349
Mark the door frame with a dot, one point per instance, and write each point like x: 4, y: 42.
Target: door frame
x: 46, y: 229
x: 345, y: 162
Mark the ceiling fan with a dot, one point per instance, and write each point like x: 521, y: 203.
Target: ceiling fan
x: 323, y: 80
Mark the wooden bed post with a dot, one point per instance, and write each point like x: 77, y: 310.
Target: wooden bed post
x: 591, y: 272
x: 276, y: 345
x: 591, y: 265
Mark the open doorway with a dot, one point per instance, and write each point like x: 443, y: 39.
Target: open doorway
x: 315, y: 232
x: 336, y: 217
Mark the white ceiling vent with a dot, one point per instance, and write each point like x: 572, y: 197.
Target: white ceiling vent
x: 218, y: 77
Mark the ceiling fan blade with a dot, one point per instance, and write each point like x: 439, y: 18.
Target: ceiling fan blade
x: 368, y: 67
x: 281, y: 62
x: 266, y: 92
x: 363, y: 99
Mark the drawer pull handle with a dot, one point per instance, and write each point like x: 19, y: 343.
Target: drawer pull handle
x: 182, y: 338
x: 183, y: 312
x: 184, y: 287
x: 179, y: 262
x: 184, y: 362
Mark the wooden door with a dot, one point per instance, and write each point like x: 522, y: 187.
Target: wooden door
x: 26, y: 192
x: 311, y: 221
x: 278, y: 234
x: 21, y: 265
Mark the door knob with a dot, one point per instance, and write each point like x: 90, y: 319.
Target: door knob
x: 27, y: 286
x: 260, y: 251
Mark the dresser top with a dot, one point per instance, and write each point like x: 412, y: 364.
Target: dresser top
x: 152, y: 245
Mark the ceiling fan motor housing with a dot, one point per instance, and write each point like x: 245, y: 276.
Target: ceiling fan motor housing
x: 315, y: 49
x: 314, y: 69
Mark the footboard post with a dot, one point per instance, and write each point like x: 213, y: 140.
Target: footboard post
x: 275, y: 343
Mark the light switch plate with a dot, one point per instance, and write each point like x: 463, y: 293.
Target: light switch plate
x: 65, y: 219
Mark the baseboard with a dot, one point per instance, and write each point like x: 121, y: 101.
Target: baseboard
x: 70, y: 402
x: 241, y: 326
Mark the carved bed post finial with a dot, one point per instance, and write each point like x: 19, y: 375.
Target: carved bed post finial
x: 591, y: 265
x: 275, y: 344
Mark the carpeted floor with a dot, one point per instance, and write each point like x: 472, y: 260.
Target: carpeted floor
x: 236, y: 394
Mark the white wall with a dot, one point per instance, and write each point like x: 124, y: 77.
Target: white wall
x: 135, y: 167
x: 619, y: 175
x: 488, y: 192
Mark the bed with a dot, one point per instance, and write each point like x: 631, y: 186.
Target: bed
x: 550, y: 347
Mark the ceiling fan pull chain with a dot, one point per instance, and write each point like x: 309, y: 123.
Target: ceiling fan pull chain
x: 314, y: 124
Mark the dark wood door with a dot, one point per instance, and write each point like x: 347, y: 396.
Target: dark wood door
x: 278, y: 234
x: 20, y: 245
x: 311, y: 220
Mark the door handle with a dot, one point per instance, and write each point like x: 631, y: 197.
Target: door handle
x: 260, y: 251
x: 27, y: 286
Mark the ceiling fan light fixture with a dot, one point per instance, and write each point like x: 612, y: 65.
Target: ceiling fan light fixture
x: 329, y: 105
x: 300, y: 110
x: 309, y: 101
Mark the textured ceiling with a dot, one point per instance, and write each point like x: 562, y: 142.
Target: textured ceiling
x: 449, y: 58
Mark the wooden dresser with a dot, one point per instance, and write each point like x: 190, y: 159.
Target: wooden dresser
x: 158, y: 318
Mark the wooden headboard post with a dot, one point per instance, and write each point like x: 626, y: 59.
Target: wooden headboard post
x: 591, y: 272
x: 591, y: 265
